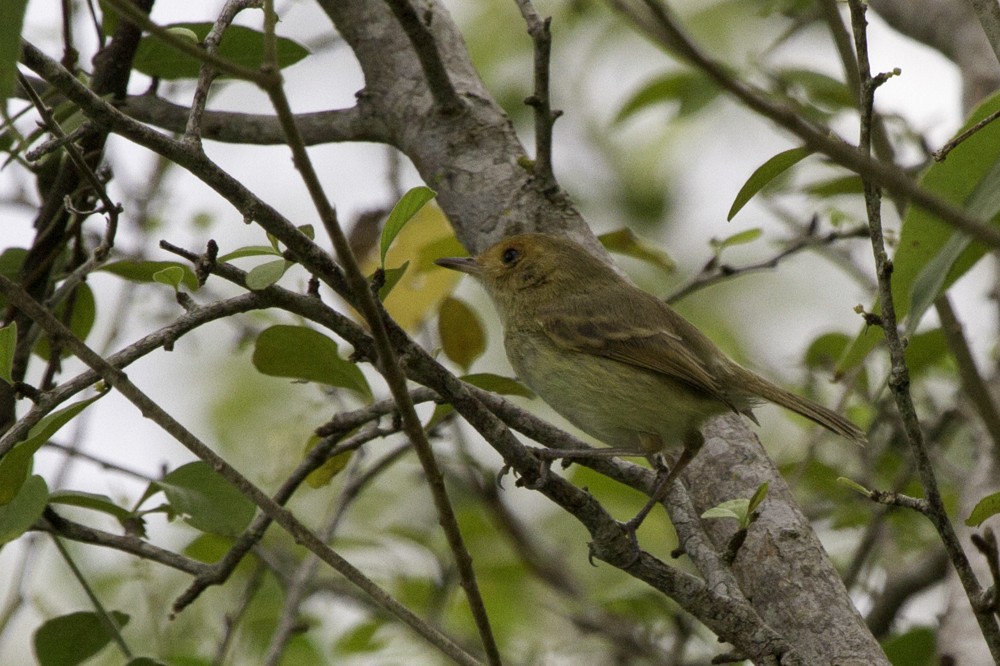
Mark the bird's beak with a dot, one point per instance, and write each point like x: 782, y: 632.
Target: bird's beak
x: 463, y: 264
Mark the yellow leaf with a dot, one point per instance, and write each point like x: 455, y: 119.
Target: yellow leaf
x: 462, y: 337
x: 323, y: 474
x: 412, y: 300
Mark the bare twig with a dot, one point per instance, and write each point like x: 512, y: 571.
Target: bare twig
x: 47, y: 401
x: 67, y: 529
x: 426, y: 48
x: 540, y: 101
x: 231, y: 621
x: 207, y: 73
x: 899, y: 499
x: 941, y: 153
x: 899, y: 379
x: 714, y: 272
x: 295, y: 593
x: 220, y: 571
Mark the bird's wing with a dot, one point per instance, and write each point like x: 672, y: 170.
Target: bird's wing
x: 655, y: 339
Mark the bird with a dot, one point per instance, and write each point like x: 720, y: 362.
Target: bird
x: 615, y: 361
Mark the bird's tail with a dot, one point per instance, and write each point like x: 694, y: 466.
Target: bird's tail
x: 814, y: 412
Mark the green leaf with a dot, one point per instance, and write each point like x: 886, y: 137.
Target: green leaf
x: 820, y: 88
x: 968, y: 177
x: 826, y: 349
x: 172, y: 276
x: 764, y: 174
x: 11, y: 19
x: 303, y: 353
x: 625, y: 242
x: 741, y: 509
x: 758, y: 497
x: 92, y: 501
x: 11, y: 261
x: 361, y: 639
x: 985, y: 508
x: 210, y: 548
x: 691, y: 90
x: 80, y: 322
x: 392, y: 276
x: 402, y: 212
x: 71, y: 639
x: 206, y: 500
x: 240, y: 45
x: 250, y: 251
x: 14, y: 466
x: 26, y: 507
x: 263, y: 276
x: 734, y: 508
x: 740, y: 238
x: 146, y: 271
x: 916, y: 647
x: 498, y: 384
x: 8, y: 342
x: 854, y: 485
x: 925, y: 351
x: 930, y: 281
x: 463, y: 339
x: 850, y: 185
x: 488, y: 382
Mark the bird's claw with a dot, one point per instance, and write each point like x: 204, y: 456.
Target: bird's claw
x: 630, y: 527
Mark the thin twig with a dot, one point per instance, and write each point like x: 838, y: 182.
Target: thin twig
x: 714, y: 272
x: 221, y: 570
x: 74, y: 452
x: 232, y: 620
x: 49, y: 400
x: 207, y: 73
x: 890, y: 498
x: 941, y: 153
x: 426, y: 48
x: 108, y: 623
x: 540, y: 101
x: 899, y: 378
x: 55, y: 524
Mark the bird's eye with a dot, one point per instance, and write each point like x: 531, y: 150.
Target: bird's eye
x: 510, y: 255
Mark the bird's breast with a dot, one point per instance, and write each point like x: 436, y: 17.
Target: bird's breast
x: 619, y: 404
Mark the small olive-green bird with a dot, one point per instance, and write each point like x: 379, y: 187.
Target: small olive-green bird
x: 615, y: 361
